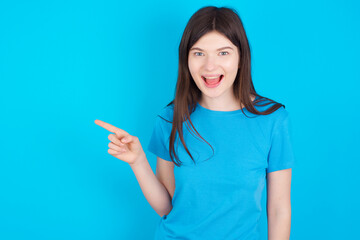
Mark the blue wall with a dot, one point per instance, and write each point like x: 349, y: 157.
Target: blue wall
x: 64, y: 64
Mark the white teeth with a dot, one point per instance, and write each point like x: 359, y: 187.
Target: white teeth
x: 213, y: 77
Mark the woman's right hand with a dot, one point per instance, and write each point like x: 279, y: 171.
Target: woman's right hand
x: 123, y: 146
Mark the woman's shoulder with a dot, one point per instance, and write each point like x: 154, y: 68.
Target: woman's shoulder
x: 279, y: 112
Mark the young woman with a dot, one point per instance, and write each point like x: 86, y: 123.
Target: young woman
x: 218, y: 142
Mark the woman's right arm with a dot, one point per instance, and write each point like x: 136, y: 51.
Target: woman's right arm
x: 128, y: 149
x: 154, y: 191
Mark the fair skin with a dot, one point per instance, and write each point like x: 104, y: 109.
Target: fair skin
x: 278, y: 204
x: 211, y: 57
x: 214, y: 55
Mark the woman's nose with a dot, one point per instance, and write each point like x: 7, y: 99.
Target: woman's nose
x: 210, y: 63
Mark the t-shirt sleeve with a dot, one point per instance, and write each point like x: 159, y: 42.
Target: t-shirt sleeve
x: 158, y: 143
x: 281, y: 155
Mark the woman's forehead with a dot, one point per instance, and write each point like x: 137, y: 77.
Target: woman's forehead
x: 213, y: 41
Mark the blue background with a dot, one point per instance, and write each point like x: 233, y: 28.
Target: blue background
x: 64, y: 64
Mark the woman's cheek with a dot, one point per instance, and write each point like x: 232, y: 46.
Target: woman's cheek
x: 231, y: 64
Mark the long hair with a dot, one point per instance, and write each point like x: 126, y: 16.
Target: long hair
x: 227, y: 22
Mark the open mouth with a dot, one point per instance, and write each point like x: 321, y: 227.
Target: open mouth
x: 212, y: 81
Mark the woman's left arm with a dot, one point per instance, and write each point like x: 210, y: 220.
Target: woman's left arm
x: 278, y: 204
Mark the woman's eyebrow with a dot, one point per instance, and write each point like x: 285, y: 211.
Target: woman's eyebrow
x: 199, y: 49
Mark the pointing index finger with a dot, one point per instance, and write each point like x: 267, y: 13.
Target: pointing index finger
x: 110, y: 127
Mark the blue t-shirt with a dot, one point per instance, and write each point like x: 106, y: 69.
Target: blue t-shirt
x: 219, y: 197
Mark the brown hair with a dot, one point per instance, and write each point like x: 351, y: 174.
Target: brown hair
x: 227, y: 22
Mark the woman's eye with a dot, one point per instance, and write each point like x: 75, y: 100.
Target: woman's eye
x: 198, y: 54
x: 224, y: 53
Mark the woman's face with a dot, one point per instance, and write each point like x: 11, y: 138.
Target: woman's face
x: 213, y: 64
